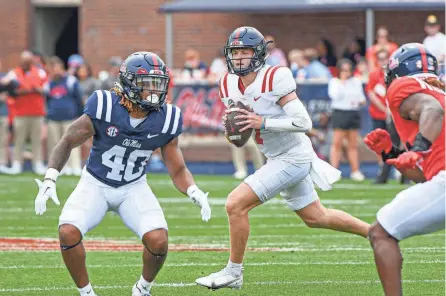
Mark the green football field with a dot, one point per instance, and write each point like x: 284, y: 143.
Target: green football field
x: 284, y: 258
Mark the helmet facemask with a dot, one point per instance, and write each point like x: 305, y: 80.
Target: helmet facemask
x: 148, y: 91
x: 256, y: 61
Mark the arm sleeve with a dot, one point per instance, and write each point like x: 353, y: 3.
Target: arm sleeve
x: 283, y: 82
x: 298, y: 119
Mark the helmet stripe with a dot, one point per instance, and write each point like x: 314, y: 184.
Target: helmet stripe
x: 155, y: 62
x: 237, y: 33
x: 423, y: 58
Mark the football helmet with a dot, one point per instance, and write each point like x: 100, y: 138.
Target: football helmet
x: 246, y: 37
x: 411, y: 59
x: 144, y: 71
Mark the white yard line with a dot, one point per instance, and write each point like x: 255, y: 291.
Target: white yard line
x: 178, y: 285
x: 219, y: 264
x: 190, y: 216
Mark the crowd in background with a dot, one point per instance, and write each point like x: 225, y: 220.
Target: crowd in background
x: 48, y: 90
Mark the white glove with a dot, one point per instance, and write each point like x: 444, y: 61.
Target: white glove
x: 47, y: 189
x: 201, y: 199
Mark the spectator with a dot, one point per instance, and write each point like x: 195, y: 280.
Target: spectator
x: 239, y: 161
x: 218, y: 67
x: 87, y: 82
x: 355, y: 51
x: 39, y: 60
x: 347, y: 96
x: 326, y: 53
x: 382, y: 42
x: 64, y: 102
x: 311, y: 69
x: 3, y: 127
x: 74, y: 62
x: 362, y: 70
x: 276, y: 55
x: 435, y: 40
x: 295, y: 57
x: 29, y: 109
x: 379, y: 113
x: 113, y: 73
x: 193, y: 68
x: 376, y: 91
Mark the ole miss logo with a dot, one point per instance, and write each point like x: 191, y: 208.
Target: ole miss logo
x: 236, y: 42
x: 142, y: 71
x: 112, y: 131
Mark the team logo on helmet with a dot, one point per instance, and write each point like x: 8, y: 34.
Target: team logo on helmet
x: 394, y: 63
x: 419, y: 64
x: 112, y: 131
x: 156, y: 72
x: 141, y: 71
x: 236, y: 42
x: 430, y: 64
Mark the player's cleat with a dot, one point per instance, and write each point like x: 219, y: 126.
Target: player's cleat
x: 137, y: 290
x: 221, y: 279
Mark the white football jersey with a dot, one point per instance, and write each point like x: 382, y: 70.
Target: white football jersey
x: 271, y: 84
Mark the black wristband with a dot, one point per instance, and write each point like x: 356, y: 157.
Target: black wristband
x: 421, y: 144
x: 393, y: 153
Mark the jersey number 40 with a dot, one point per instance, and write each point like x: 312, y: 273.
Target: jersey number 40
x: 117, y: 153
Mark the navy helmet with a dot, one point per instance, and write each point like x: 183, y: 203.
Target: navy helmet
x: 246, y: 37
x: 411, y: 59
x: 144, y: 71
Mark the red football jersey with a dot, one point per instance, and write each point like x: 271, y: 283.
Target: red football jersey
x: 399, y: 90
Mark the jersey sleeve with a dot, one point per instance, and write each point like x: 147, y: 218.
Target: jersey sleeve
x: 401, y: 89
x: 177, y: 127
x: 94, y: 105
x: 173, y: 122
x: 223, y: 89
x: 283, y: 82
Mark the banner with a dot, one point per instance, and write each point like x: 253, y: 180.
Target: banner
x: 202, y: 108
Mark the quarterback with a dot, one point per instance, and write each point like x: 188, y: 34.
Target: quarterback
x: 128, y: 123
x: 416, y: 99
x: 280, y: 121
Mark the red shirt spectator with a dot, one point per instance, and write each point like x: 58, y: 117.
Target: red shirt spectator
x: 378, y: 87
x: 382, y: 43
x: 29, y: 100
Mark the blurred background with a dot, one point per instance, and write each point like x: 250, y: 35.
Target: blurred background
x: 55, y: 53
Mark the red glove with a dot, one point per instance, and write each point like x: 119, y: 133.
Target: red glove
x: 378, y: 141
x: 407, y: 160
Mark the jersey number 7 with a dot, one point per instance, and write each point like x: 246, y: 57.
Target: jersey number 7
x: 117, y: 166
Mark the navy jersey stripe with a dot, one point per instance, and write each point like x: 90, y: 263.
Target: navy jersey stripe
x: 168, y: 118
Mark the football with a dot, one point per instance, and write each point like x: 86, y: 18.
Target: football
x: 233, y: 133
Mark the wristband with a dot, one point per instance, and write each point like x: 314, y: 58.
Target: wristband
x: 421, y: 144
x: 393, y: 153
x: 262, y: 126
x: 191, y: 189
x: 51, y: 174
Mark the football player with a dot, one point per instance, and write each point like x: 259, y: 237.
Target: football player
x: 416, y: 99
x: 280, y: 122
x: 127, y: 123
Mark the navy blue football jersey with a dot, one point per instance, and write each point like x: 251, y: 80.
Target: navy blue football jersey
x: 120, y: 151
